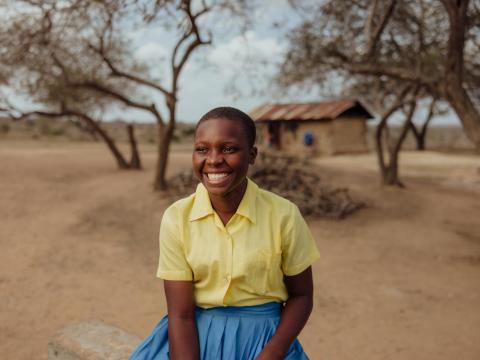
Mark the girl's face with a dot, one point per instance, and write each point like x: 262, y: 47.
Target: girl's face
x: 221, y: 156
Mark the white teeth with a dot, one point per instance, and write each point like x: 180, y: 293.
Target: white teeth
x: 217, y: 176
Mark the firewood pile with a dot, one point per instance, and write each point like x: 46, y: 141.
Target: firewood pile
x: 290, y: 177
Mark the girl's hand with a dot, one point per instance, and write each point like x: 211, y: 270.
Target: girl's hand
x: 294, y: 315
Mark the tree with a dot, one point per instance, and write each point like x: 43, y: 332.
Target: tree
x: 388, y: 97
x: 421, y: 134
x: 30, y: 64
x: 432, y: 44
x: 378, y: 93
x: 389, y: 167
x: 86, y: 124
x: 86, y: 59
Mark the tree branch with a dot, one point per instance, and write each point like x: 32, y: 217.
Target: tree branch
x: 193, y: 30
x: 457, y: 15
x: 177, y: 66
x: 369, y: 22
x: 383, y: 123
x: 408, y: 120
x: 118, y: 96
x: 430, y: 115
x: 373, y: 37
x: 390, y: 71
x: 119, y: 73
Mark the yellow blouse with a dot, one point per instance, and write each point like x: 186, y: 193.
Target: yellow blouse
x: 242, y: 263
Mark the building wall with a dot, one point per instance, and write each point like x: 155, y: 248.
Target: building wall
x: 322, y: 137
x: 349, y: 135
x: 438, y: 138
x: 329, y: 137
x: 292, y: 137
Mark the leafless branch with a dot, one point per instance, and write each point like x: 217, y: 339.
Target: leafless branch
x: 369, y: 22
x: 193, y: 33
x: 118, y: 96
x: 119, y: 73
x: 399, y: 103
x: 430, y: 115
x: 375, y: 34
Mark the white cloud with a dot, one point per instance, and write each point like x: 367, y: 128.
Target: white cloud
x: 243, y: 52
x: 151, y: 52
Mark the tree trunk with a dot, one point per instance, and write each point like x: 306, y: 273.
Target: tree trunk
x: 379, y: 134
x: 88, y: 122
x: 421, y: 135
x: 165, y: 134
x: 421, y: 143
x: 135, y: 162
x: 387, y: 137
x: 391, y: 173
x: 389, y: 170
x: 453, y: 88
x: 465, y: 110
x: 121, y: 162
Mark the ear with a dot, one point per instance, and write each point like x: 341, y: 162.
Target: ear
x: 253, y: 155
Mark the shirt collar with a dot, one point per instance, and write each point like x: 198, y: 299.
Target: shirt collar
x: 202, y: 206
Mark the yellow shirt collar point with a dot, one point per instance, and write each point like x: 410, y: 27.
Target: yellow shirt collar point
x: 202, y: 206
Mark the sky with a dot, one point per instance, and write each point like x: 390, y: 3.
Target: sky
x: 236, y: 70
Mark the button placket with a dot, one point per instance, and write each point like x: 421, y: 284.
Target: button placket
x: 228, y: 272
x: 228, y: 264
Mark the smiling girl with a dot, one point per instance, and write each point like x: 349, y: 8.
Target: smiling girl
x: 235, y: 259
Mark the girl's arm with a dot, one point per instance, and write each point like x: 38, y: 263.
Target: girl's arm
x: 294, y: 315
x: 182, y: 328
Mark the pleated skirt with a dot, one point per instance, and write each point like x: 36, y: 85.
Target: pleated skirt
x: 224, y: 333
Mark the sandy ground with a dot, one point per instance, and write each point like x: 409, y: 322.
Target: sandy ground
x: 398, y: 280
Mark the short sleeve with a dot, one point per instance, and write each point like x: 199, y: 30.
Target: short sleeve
x: 299, y: 249
x: 172, y: 264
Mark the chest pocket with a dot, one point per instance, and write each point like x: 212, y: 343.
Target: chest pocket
x: 263, y: 271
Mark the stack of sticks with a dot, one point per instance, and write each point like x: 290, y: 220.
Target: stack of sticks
x: 289, y: 177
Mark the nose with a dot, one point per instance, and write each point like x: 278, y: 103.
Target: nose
x: 214, y: 158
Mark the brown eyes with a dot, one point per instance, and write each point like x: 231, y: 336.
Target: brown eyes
x: 225, y: 150
x: 201, y: 150
x: 229, y: 149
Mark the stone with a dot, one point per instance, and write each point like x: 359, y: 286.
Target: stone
x: 92, y: 340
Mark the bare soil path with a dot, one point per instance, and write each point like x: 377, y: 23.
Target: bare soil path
x: 398, y: 280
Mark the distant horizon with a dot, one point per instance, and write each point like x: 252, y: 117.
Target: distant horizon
x: 370, y: 123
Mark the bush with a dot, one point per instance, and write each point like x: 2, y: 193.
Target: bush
x: 4, y: 128
x: 57, y: 131
x: 43, y: 126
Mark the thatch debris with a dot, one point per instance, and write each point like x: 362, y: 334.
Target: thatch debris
x: 292, y: 178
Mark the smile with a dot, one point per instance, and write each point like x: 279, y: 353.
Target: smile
x: 216, y: 177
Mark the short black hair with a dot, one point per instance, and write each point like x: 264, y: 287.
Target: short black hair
x: 230, y: 113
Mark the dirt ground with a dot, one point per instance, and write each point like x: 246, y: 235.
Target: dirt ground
x: 398, y: 280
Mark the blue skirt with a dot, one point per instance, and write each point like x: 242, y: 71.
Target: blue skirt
x: 224, y: 333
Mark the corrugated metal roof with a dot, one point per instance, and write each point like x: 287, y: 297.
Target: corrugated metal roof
x: 325, y: 110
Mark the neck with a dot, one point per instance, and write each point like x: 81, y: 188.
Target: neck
x: 228, y: 204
